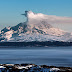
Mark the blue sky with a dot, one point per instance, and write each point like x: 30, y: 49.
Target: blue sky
x: 10, y: 10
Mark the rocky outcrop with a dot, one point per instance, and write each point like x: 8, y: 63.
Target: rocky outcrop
x: 32, y: 68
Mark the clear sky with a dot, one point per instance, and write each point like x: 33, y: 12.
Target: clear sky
x: 10, y: 10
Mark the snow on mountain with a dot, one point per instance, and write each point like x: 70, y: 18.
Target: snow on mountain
x: 36, y: 28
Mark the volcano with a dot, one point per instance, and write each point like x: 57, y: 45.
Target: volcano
x: 36, y: 28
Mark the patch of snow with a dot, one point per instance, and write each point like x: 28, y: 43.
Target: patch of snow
x: 54, y: 69
x: 2, y: 67
x: 22, y: 67
x: 8, y: 34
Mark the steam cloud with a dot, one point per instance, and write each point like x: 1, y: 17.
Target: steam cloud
x: 32, y: 17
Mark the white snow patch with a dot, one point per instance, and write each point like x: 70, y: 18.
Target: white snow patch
x: 54, y: 69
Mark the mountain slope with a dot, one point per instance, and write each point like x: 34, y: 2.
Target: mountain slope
x: 36, y: 28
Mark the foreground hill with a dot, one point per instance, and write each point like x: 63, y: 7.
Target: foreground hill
x: 32, y: 68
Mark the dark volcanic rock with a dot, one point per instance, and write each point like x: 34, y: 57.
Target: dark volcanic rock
x: 32, y: 68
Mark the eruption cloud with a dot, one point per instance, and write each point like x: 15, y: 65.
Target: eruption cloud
x: 51, y: 19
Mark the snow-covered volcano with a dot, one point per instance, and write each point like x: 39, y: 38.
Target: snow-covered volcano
x: 36, y: 28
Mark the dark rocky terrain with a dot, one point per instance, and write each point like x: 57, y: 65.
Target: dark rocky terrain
x: 32, y: 68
